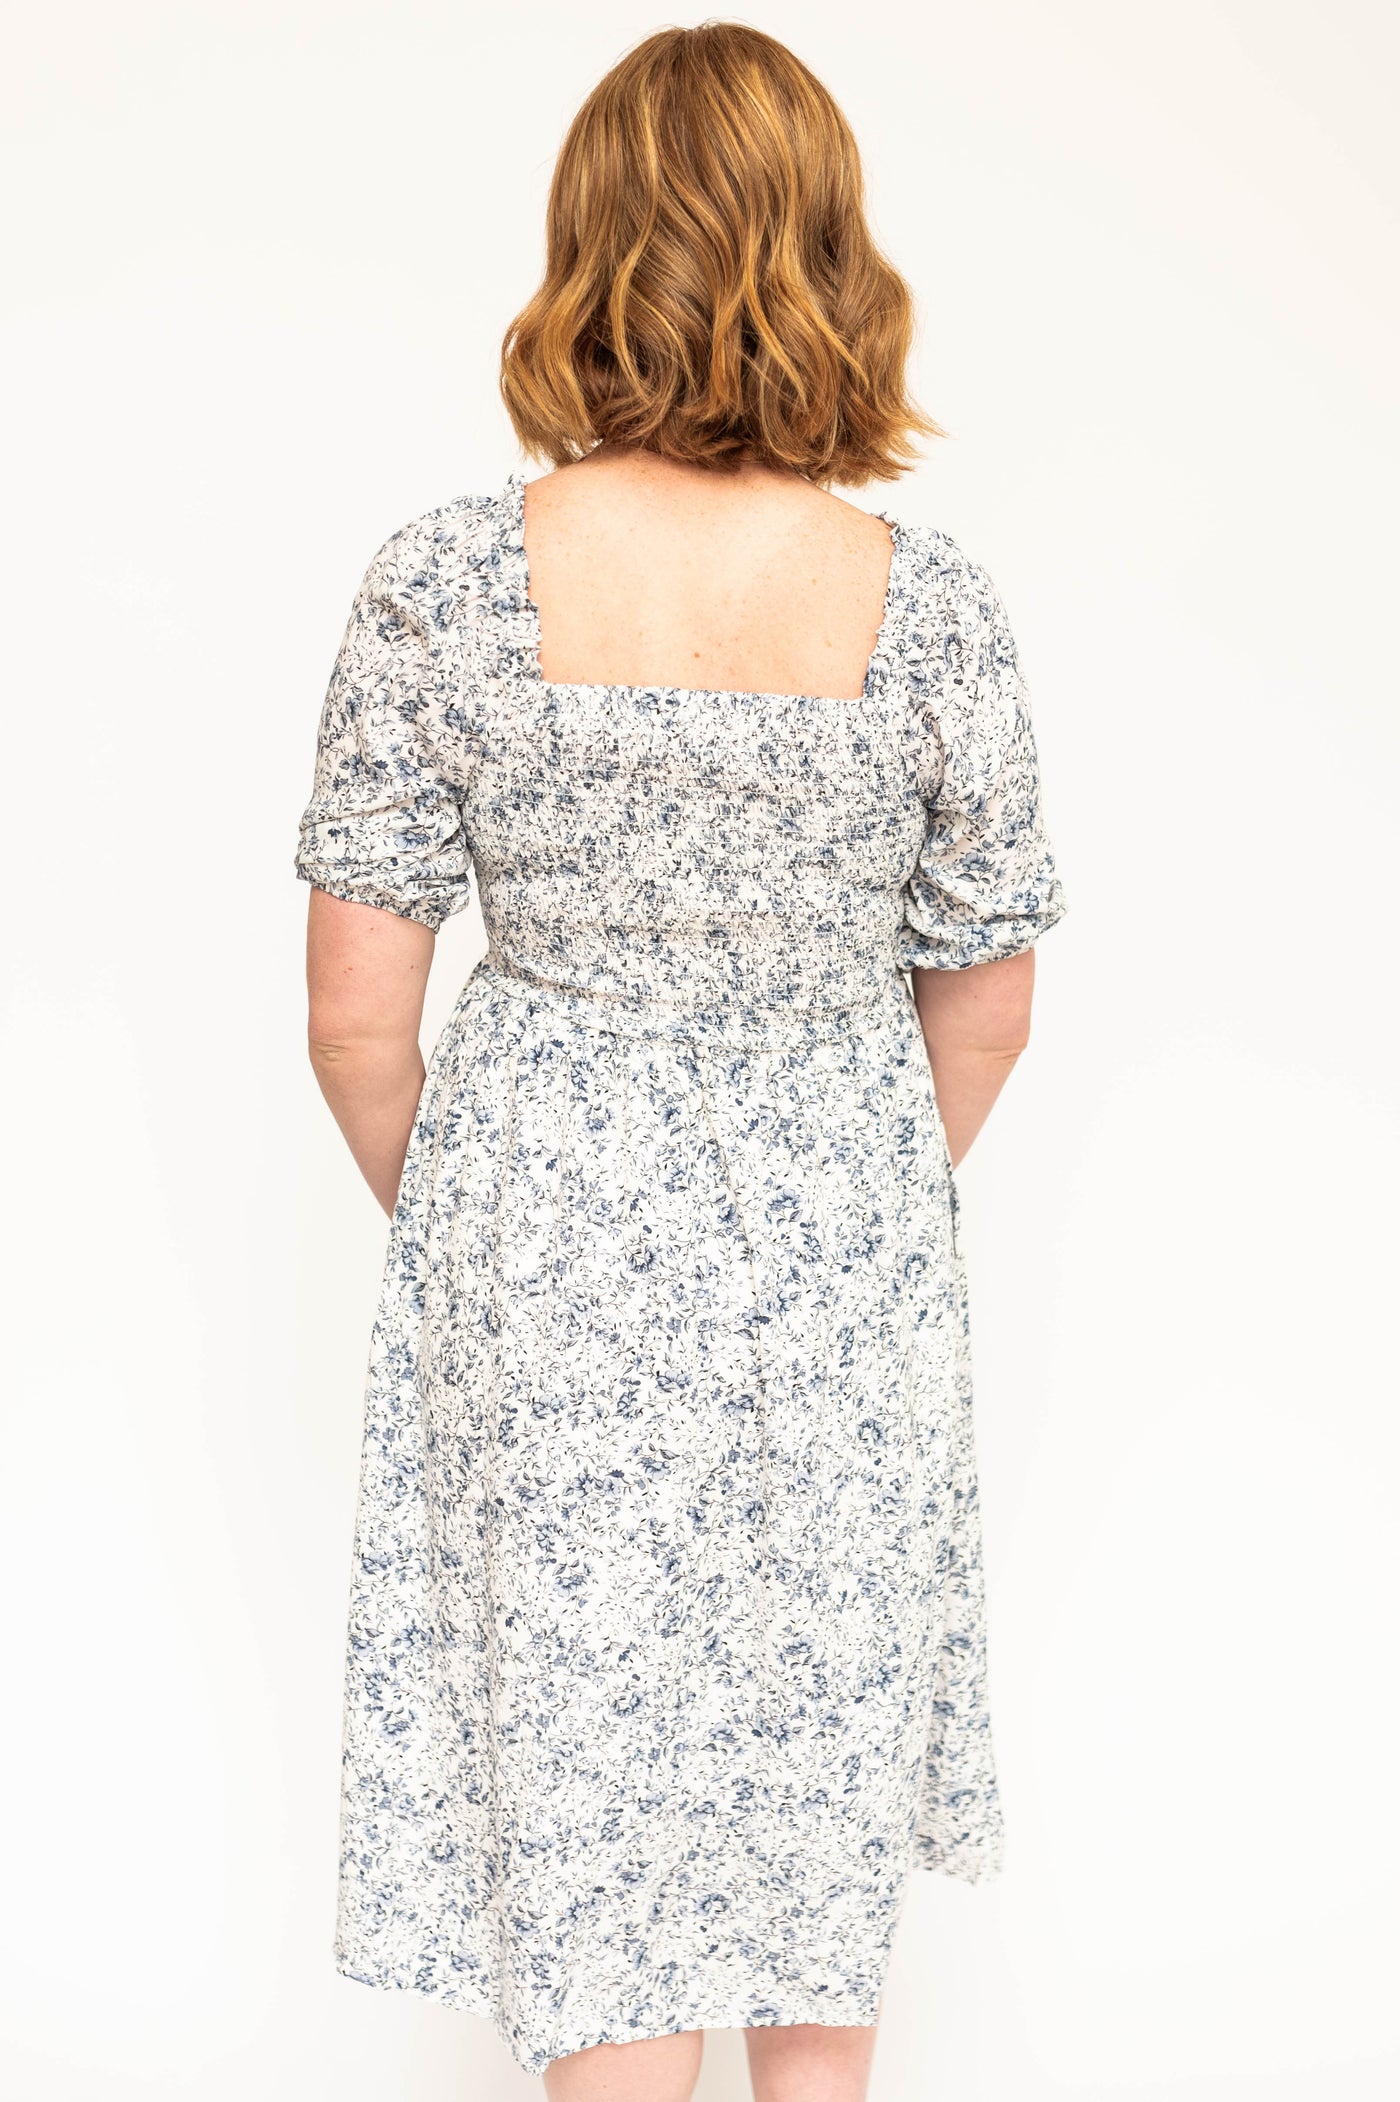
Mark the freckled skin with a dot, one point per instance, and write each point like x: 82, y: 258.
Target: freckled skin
x: 758, y: 581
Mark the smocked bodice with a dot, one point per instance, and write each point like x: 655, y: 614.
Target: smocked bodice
x: 744, y: 861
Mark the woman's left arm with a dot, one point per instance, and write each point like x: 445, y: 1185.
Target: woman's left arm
x: 976, y: 1024
x: 366, y: 974
x: 382, y: 844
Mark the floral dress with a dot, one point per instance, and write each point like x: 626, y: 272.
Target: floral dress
x: 667, y: 1645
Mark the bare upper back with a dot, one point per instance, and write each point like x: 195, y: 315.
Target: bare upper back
x: 646, y: 572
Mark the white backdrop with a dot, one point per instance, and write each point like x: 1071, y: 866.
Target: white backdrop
x: 263, y: 257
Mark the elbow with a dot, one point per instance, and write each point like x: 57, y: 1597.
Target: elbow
x: 330, y: 1053
x: 984, y: 1009
x: 1011, y: 1039
x: 998, y: 1023
x: 332, y: 1047
x: 1000, y: 1057
x: 327, y: 1053
x: 348, y: 1054
x: 1000, y: 1033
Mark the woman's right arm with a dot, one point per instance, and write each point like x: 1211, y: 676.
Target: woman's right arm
x: 984, y: 886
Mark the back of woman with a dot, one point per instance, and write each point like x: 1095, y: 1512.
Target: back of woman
x: 667, y: 1655
x: 649, y: 571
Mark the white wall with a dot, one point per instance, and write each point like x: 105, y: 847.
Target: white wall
x: 264, y: 257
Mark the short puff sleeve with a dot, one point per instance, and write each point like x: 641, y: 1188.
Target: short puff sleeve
x: 984, y: 885
x: 384, y: 823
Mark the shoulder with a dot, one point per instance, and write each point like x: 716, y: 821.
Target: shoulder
x: 938, y: 567
x: 849, y: 528
x: 947, y: 597
x: 948, y: 632
x: 436, y: 544
x: 431, y: 573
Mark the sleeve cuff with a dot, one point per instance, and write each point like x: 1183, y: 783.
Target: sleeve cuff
x: 957, y: 945
x: 429, y: 912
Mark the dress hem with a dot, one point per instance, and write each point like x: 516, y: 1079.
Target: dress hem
x: 815, y: 2010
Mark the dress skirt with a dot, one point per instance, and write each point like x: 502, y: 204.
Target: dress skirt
x: 667, y: 1643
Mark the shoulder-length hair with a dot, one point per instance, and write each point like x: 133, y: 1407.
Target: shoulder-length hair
x: 711, y: 285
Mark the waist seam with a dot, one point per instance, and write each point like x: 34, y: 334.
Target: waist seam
x: 742, y: 1024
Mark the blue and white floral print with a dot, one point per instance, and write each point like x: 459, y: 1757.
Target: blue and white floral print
x: 667, y: 1652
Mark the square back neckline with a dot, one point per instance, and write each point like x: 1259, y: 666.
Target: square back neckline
x: 514, y: 496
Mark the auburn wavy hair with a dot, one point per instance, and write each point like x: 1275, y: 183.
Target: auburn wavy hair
x: 711, y: 286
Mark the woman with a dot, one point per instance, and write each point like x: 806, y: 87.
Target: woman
x: 667, y: 1642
